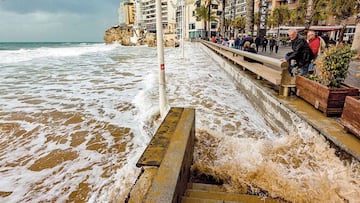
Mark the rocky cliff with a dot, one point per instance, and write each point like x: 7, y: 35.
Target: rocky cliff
x: 122, y: 35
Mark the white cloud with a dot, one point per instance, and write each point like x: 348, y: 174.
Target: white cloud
x: 58, y: 26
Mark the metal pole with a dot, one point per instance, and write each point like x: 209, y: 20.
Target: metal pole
x: 182, y: 27
x: 160, y: 52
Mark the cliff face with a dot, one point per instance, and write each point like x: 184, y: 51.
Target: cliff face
x: 122, y: 35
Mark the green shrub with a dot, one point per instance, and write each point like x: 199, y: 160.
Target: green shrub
x: 333, y: 65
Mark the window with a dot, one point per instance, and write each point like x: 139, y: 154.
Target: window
x: 213, y: 25
x: 191, y: 26
x: 218, y: 13
x: 214, y: 6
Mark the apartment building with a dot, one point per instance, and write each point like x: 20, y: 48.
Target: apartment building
x: 195, y: 27
x: 167, y: 14
x: 126, y: 13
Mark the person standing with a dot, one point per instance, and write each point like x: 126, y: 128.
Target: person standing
x: 301, y: 53
x: 264, y: 44
x: 277, y: 43
x: 272, y: 44
x: 237, y: 43
x: 257, y: 43
x: 314, y: 42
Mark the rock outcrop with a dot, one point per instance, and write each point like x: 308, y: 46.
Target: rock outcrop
x: 123, y: 35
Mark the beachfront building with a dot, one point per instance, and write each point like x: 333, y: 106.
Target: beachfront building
x: 126, y: 13
x: 194, y: 26
x: 167, y: 13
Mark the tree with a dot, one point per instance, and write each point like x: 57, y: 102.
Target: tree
x: 222, y: 20
x: 249, y: 28
x: 281, y: 14
x: 342, y: 10
x: 202, y: 14
x: 239, y: 23
x: 210, y: 16
x: 309, y: 12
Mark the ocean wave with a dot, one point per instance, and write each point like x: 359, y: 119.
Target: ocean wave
x: 45, y: 51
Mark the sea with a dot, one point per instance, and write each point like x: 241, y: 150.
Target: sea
x: 76, y: 117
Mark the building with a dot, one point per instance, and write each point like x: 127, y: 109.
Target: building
x: 195, y: 27
x: 167, y: 12
x: 126, y: 13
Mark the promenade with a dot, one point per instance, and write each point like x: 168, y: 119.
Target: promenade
x: 353, y: 70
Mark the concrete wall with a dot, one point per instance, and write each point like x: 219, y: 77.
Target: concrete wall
x: 167, y: 160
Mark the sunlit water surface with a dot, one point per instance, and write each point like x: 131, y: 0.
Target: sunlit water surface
x: 75, y: 118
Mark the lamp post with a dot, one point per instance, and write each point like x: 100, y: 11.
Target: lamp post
x: 160, y: 52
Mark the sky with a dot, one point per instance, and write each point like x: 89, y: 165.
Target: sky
x: 56, y: 20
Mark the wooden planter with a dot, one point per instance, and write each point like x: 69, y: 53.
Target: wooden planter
x: 350, y: 117
x: 328, y: 100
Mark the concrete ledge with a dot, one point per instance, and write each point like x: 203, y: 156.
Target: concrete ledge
x: 167, y: 181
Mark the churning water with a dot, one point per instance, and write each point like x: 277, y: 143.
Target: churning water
x: 75, y: 118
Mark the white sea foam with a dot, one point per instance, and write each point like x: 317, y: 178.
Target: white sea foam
x: 100, y: 108
x: 18, y: 56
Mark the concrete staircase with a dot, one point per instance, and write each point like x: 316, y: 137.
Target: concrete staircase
x: 207, y: 193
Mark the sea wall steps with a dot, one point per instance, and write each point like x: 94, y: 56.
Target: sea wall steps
x: 167, y: 160
x: 199, y: 192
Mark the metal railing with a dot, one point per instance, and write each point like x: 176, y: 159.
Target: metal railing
x: 270, y: 69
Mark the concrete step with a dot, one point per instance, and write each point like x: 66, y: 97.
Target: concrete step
x: 200, y: 200
x: 214, y: 196
x: 206, y: 187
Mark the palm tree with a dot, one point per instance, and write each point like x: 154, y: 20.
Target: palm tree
x: 308, y: 16
x: 249, y: 28
x: 202, y: 14
x: 222, y: 20
x: 342, y: 10
x: 239, y: 23
x: 281, y: 14
x: 211, y: 15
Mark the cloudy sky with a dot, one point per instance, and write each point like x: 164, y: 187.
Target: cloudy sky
x: 56, y: 20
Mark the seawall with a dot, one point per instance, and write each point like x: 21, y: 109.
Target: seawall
x: 286, y: 113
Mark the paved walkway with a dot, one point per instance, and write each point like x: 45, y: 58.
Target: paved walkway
x: 353, y: 70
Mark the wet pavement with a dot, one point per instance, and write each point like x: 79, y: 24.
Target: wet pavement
x: 353, y: 70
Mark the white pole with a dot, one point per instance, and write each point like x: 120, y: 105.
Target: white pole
x: 183, y: 27
x: 160, y: 52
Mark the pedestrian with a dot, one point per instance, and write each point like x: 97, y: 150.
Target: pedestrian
x: 237, y: 43
x: 277, y: 43
x: 301, y: 54
x: 257, y: 43
x: 264, y: 44
x: 272, y: 44
x: 231, y: 42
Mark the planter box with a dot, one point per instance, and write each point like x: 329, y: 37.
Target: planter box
x: 328, y: 100
x: 350, y: 118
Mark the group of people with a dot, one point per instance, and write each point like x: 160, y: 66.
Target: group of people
x: 304, y: 52
x: 239, y: 42
x: 300, y: 59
